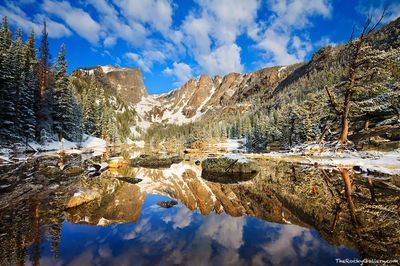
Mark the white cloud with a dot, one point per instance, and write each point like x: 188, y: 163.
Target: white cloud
x: 147, y: 58
x: 212, y: 31
x: 157, y: 13
x: 279, y: 39
x: 230, y: 18
x: 114, y: 26
x: 19, y: 18
x: 139, y: 60
x: 79, y: 20
x: 222, y: 60
x: 181, y: 71
x: 196, y: 31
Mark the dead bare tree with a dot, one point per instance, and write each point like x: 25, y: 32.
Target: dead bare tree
x: 356, y: 63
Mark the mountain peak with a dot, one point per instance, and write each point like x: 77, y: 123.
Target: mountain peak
x: 126, y: 82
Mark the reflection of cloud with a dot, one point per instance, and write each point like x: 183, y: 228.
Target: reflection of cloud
x: 292, y: 246
x: 44, y: 261
x: 145, y: 232
x: 227, y: 231
x: 142, y: 228
x: 86, y: 258
x: 105, y: 251
x: 216, y: 239
x: 282, y: 247
x: 181, y: 219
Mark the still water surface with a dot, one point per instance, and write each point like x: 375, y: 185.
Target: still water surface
x: 287, y: 215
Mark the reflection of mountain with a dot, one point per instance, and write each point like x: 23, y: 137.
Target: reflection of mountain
x: 121, y: 206
x: 282, y: 193
x: 182, y: 182
x: 364, y: 214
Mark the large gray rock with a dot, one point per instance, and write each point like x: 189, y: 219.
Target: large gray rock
x: 156, y: 161
x: 230, y: 164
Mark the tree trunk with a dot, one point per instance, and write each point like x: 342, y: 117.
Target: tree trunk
x: 366, y: 125
x: 291, y: 133
x: 321, y: 138
x: 311, y: 110
x: 345, y: 130
x: 347, y: 187
x: 60, y: 133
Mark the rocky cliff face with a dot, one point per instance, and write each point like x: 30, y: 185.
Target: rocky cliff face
x: 125, y: 82
x: 204, y: 97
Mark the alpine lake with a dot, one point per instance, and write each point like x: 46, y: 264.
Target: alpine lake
x: 287, y: 214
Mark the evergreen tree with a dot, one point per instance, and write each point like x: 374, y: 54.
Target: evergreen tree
x: 89, y: 112
x: 44, y: 111
x: 29, y: 95
x: 7, y: 91
x: 64, y: 105
x: 17, y: 83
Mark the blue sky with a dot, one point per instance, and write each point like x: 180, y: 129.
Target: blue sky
x: 173, y: 41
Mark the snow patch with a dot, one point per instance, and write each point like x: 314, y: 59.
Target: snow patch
x: 373, y: 161
x: 89, y: 142
x: 139, y: 144
x: 280, y: 70
x: 107, y: 69
x: 239, y: 158
x: 232, y: 145
x: 103, y: 222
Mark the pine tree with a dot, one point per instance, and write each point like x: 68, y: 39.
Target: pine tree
x: 89, y: 112
x: 29, y: 95
x: 17, y: 83
x: 7, y: 90
x: 45, y: 97
x: 64, y: 104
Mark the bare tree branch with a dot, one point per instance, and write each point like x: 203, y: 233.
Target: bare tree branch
x: 352, y: 34
x: 384, y: 13
x: 332, y: 100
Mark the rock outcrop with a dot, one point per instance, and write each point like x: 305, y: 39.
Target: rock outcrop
x: 198, y: 99
x: 83, y: 196
x: 125, y: 82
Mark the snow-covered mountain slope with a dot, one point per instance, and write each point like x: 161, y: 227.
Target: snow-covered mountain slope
x: 204, y: 97
x: 193, y: 101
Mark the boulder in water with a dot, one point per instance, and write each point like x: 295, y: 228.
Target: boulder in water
x: 82, y: 196
x: 230, y: 164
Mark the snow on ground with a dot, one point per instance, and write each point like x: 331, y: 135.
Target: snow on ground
x: 238, y: 158
x: 232, y: 145
x: 93, y: 142
x: 137, y: 143
x: 382, y: 162
x: 89, y: 143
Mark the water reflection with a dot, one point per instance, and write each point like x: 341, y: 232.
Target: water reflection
x: 287, y: 215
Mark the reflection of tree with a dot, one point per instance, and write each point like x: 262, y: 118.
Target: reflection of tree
x: 371, y: 189
x: 54, y: 233
x: 54, y: 229
x: 35, y: 248
x: 347, y: 188
x: 347, y: 198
